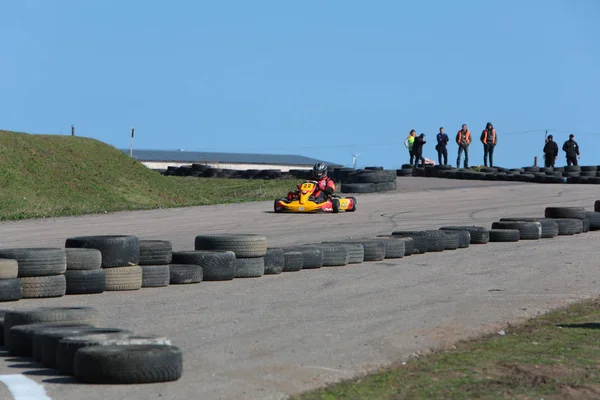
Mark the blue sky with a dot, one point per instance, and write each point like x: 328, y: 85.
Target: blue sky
x: 318, y: 78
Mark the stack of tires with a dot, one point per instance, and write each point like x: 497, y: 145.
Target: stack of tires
x: 369, y: 180
x: 84, y: 273
x: 120, y: 257
x: 302, y: 257
x: 41, y: 270
x: 154, y: 260
x: 249, y: 250
x: 10, y: 283
x: 199, y: 265
x: 570, y: 220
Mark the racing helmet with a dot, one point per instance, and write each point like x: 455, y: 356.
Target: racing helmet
x: 320, y: 170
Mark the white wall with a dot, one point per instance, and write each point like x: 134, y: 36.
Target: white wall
x: 283, y: 168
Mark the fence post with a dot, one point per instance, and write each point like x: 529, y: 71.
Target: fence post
x: 131, y: 144
x: 535, y: 161
x: 72, y: 130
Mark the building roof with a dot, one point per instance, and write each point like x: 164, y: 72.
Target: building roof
x: 233, y: 158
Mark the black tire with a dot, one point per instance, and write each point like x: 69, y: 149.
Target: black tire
x: 274, y: 261
x: 435, y: 240
x: 464, y: 237
x: 35, y: 287
x: 404, y: 172
x: 479, y: 235
x: 216, y: 265
x: 19, y: 338
x: 356, y: 252
x: 294, y: 260
x: 312, y: 256
x: 9, y: 269
x: 40, y: 338
x: 569, y: 226
x: 155, y: 276
x: 68, y: 346
x: 527, y: 230
x: 594, y: 218
x: 565, y: 212
x: 370, y: 177
x: 394, y: 247
x: 420, y: 244
x: 452, y: 240
x: 37, y: 261
x: 243, y: 245
x: 183, y: 274
x: 335, y: 205
x: 504, y: 235
x: 128, y: 364
x: 123, y: 278
x: 85, y: 281
x: 334, y: 255
x: 373, y: 249
x: 585, y: 225
x: 358, y: 188
x: 83, y: 259
x: 249, y: 267
x: 549, y: 225
x: 117, y: 250
x: 572, y: 168
x: 155, y: 252
x: 597, y: 206
x: 10, y: 290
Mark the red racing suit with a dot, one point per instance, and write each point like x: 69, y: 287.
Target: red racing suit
x: 325, y: 187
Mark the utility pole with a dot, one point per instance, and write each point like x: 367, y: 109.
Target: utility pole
x: 131, y: 144
x: 72, y: 130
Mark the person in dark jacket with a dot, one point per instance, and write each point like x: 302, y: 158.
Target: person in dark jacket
x: 550, y: 152
x: 442, y: 141
x: 488, y: 138
x: 571, y: 148
x: 418, y: 150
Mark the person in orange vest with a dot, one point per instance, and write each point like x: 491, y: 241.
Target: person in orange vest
x: 463, y: 139
x: 488, y: 138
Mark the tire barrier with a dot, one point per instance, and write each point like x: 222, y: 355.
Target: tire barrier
x: 588, y: 174
x: 71, y: 340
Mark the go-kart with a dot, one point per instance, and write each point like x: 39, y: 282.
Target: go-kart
x: 305, y: 202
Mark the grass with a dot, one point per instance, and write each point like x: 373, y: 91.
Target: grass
x: 52, y: 175
x: 554, y: 356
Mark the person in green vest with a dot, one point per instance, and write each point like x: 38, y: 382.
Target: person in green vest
x: 408, y: 143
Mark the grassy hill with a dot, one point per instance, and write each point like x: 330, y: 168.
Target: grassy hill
x: 52, y: 175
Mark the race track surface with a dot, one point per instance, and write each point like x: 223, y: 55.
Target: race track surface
x: 269, y: 337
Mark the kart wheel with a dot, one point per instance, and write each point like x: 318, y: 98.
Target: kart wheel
x: 353, y: 208
x: 335, y: 204
x: 276, y: 207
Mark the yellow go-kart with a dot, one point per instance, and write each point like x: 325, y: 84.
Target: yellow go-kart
x: 305, y: 202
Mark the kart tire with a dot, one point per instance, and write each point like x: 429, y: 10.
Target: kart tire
x: 123, y: 278
x: 183, y: 274
x: 565, y: 212
x: 34, y: 262
x: 292, y: 261
x: 353, y: 208
x: 82, y: 281
x: 83, y: 259
x: 504, y: 235
x: 128, y: 364
x: 216, y: 265
x: 334, y: 255
x: 479, y: 235
x: 117, y: 250
x: 155, y: 252
x: 549, y: 225
x: 312, y: 256
x: 527, y: 230
x: 10, y: 290
x: 569, y: 226
x: 249, y: 267
x: 68, y: 346
x: 464, y: 237
x: 243, y: 245
x: 274, y: 261
x: 155, y: 275
x: 9, y: 269
x: 335, y: 205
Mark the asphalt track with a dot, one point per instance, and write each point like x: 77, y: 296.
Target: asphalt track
x: 269, y: 337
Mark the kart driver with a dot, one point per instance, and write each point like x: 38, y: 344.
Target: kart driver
x: 325, y: 185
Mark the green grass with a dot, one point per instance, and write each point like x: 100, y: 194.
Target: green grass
x: 554, y: 356
x: 52, y: 175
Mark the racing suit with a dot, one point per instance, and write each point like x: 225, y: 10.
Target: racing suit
x: 325, y: 188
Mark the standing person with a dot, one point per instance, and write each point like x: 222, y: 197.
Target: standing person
x: 571, y: 148
x: 442, y: 141
x: 418, y: 150
x: 550, y: 152
x: 408, y: 143
x: 488, y: 138
x: 463, y: 139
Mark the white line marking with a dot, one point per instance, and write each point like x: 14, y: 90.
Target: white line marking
x: 23, y: 388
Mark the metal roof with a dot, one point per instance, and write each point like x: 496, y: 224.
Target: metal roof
x: 233, y: 158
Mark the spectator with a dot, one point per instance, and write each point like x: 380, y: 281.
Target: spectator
x: 488, y: 138
x: 550, y: 152
x: 418, y: 150
x: 571, y: 148
x: 463, y: 139
x: 442, y: 141
x: 408, y: 143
